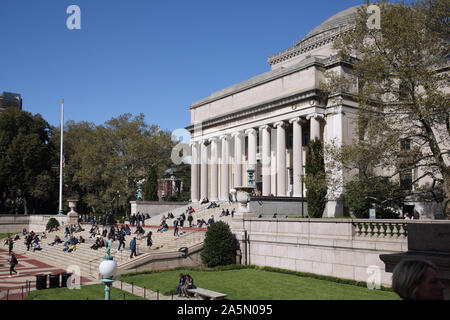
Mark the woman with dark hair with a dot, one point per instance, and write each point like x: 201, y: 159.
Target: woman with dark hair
x: 417, y: 280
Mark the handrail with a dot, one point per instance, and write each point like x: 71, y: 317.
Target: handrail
x: 90, y: 264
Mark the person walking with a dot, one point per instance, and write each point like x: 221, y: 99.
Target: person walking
x: 13, y: 262
x: 121, y: 238
x: 190, y: 219
x: 149, y: 239
x: 28, y: 240
x: 10, y: 245
x: 175, y: 226
x: 133, y: 247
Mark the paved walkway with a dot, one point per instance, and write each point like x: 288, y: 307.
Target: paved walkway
x: 147, y: 294
x: 27, y: 268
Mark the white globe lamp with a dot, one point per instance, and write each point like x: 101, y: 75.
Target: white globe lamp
x: 107, y: 269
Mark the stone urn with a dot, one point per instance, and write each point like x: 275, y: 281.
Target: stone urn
x: 72, y: 206
x: 243, y: 195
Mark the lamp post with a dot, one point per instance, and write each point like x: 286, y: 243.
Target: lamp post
x: 60, y: 211
x: 107, y: 269
x: 303, y: 196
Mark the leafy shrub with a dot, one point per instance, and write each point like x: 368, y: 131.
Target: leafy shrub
x: 219, y: 246
x: 52, y: 222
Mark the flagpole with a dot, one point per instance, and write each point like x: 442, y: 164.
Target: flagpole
x: 61, y: 212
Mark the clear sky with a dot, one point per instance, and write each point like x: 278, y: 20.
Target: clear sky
x: 143, y: 56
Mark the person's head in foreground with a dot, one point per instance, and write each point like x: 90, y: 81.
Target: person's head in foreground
x: 417, y: 280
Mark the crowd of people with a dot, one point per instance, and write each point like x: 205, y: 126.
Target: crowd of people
x: 187, y: 217
x: 70, y: 242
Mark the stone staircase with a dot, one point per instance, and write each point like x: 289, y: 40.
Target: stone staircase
x: 201, y: 212
x: 88, y: 260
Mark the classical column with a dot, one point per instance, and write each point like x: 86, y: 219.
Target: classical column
x: 224, y: 166
x: 251, y: 148
x: 238, y: 153
x: 194, y: 172
x: 204, y: 171
x: 273, y: 162
x: 297, y: 155
x: 214, y: 172
x: 265, y: 160
x: 315, y: 125
x: 281, y: 158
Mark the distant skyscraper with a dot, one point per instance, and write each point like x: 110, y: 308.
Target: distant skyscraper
x: 9, y: 99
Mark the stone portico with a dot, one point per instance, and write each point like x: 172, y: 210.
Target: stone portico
x: 266, y: 123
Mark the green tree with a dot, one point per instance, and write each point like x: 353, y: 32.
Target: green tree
x: 151, y: 186
x: 105, y: 161
x: 315, y: 179
x: 26, y: 157
x: 380, y: 193
x: 219, y: 246
x: 403, y: 116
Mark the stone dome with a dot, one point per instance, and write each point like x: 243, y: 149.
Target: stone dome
x: 323, y: 34
x: 338, y: 20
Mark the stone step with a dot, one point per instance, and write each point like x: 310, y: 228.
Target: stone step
x: 88, y: 259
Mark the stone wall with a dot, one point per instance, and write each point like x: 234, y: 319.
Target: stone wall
x: 283, y: 206
x: 154, y: 208
x: 36, y: 223
x: 163, y: 261
x: 342, y: 248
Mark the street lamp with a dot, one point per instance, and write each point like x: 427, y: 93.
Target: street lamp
x: 107, y: 269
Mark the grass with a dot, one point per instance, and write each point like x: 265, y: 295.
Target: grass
x: 87, y: 292
x: 4, y: 235
x: 257, y: 284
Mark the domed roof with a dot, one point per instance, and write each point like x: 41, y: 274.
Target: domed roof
x: 339, y: 19
x: 319, y: 36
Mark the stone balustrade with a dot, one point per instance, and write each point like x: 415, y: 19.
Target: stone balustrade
x: 387, y: 229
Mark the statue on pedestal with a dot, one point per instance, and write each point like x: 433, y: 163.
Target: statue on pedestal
x: 139, y: 191
x: 108, y: 247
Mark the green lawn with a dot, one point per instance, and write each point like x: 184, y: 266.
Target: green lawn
x: 3, y: 235
x: 254, y: 284
x: 86, y: 292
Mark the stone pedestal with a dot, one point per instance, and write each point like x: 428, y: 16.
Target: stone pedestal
x: 238, y: 221
x: 73, y: 215
x: 429, y: 242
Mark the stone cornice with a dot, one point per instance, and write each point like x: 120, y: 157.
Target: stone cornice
x: 260, y: 108
x: 259, y: 80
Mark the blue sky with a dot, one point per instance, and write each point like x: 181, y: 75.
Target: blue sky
x: 142, y: 56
